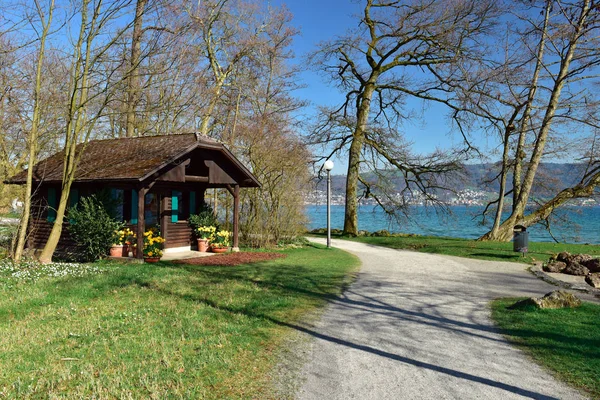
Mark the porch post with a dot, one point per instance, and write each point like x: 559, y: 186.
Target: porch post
x: 164, y: 220
x: 141, y: 224
x: 236, y: 217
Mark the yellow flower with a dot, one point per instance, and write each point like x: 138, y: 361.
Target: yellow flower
x: 150, y: 254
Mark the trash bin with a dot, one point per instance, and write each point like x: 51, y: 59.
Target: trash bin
x: 520, y: 239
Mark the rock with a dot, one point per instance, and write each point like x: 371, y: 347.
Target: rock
x: 555, y: 299
x: 593, y: 279
x: 577, y: 269
x: 382, y: 233
x: 593, y: 265
x: 563, y: 256
x: 580, y: 258
x: 556, y: 266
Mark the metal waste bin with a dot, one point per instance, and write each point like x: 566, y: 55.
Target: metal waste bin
x: 520, y: 239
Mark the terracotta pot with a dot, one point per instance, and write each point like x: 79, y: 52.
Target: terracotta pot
x: 151, y: 259
x: 203, y: 245
x: 219, y: 249
x: 116, y: 250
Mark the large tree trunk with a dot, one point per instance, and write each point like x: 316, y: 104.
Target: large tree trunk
x: 133, y: 79
x: 362, y: 118
x: 351, y: 211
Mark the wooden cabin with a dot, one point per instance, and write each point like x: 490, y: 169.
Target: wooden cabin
x: 157, y: 180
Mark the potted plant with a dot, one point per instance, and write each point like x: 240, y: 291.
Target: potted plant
x: 118, y: 249
x: 220, y: 243
x: 127, y: 238
x: 204, y: 234
x: 152, y: 245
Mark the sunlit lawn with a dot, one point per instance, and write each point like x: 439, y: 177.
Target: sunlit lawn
x: 159, y: 331
x: 565, y: 341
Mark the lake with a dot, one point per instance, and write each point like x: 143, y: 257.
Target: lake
x: 576, y: 225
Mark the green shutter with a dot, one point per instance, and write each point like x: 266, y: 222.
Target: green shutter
x: 134, y: 206
x: 192, y: 203
x: 175, y: 206
x: 51, y: 204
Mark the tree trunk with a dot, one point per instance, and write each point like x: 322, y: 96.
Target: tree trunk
x: 133, y: 79
x: 351, y: 211
x: 354, y: 159
x: 520, y: 152
x: 76, y: 115
x: 33, y: 136
x: 505, y: 231
x: 501, y: 193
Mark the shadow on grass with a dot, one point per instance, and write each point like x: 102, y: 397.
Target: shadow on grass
x: 276, y: 280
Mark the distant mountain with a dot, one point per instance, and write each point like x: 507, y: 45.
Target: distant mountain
x: 550, y: 178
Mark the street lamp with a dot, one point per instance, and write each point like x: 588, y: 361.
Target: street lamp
x: 328, y: 167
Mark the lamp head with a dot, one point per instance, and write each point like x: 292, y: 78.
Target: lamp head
x: 328, y: 165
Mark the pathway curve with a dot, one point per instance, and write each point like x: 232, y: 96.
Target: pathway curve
x: 417, y: 326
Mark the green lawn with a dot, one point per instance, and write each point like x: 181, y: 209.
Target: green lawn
x: 566, y: 341
x: 473, y: 249
x: 159, y: 331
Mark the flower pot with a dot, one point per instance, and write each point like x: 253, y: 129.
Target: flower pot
x: 203, y: 245
x: 219, y: 249
x: 116, y: 250
x: 151, y: 259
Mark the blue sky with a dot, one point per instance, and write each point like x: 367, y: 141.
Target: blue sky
x: 320, y: 20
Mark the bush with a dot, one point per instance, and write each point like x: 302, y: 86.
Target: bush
x: 206, y: 217
x: 92, y: 228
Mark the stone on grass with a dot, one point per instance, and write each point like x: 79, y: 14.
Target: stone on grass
x: 580, y: 258
x: 555, y: 299
x: 593, y: 279
x: 563, y: 256
x: 574, y: 268
x: 593, y: 265
x: 556, y: 266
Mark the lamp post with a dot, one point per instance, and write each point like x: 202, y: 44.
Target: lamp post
x: 328, y: 167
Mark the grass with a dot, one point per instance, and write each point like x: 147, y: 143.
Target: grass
x: 565, y: 341
x: 496, y: 251
x: 160, y: 331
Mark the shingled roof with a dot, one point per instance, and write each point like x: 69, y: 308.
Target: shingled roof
x: 128, y: 159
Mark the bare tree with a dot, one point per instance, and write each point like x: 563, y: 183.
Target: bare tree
x: 379, y: 63
x: 32, y: 139
x: 543, y: 96
x: 88, y: 85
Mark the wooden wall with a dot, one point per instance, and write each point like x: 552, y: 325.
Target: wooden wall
x: 178, y: 234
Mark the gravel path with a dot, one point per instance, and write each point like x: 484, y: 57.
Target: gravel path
x: 417, y: 326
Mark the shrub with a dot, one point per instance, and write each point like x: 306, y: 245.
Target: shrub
x: 92, y: 228
x: 206, y: 217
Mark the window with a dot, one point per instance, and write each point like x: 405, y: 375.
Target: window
x: 151, y: 209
